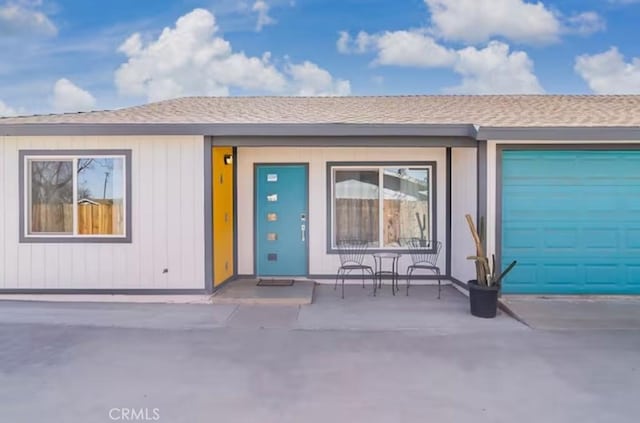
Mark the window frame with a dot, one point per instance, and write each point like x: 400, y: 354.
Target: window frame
x: 380, y: 166
x: 25, y: 156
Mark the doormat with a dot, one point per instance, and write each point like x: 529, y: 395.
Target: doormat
x: 275, y: 282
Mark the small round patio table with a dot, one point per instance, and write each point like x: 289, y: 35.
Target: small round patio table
x: 380, y: 259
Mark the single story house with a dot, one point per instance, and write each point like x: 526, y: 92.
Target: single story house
x: 183, y: 195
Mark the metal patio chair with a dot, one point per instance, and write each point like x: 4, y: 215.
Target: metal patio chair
x: 424, y: 256
x: 352, y: 254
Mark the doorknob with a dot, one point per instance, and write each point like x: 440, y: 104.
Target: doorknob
x: 303, y: 230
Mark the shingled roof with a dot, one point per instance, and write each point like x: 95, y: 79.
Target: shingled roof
x: 490, y: 111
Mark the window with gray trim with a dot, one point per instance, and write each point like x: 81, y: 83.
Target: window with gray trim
x: 381, y: 203
x: 75, y: 195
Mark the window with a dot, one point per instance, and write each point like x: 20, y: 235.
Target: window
x: 382, y: 204
x: 75, y: 196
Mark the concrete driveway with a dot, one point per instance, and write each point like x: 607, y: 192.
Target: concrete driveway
x: 206, y: 363
x: 560, y: 313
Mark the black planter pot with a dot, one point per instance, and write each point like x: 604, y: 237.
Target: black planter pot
x: 483, y: 299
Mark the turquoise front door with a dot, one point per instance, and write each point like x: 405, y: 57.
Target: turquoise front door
x: 282, y: 223
x: 572, y: 220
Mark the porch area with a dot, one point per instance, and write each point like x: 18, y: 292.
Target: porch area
x: 248, y: 291
x: 421, y: 310
x: 277, y: 307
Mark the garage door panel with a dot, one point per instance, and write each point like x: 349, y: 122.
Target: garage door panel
x: 633, y: 273
x: 633, y: 240
x: 524, y: 274
x: 572, y: 220
x: 601, y: 239
x: 522, y: 238
x: 561, y: 274
x: 631, y: 202
x: 602, y: 274
x: 560, y: 238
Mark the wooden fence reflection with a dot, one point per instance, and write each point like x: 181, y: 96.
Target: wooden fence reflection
x: 358, y: 219
x: 94, y: 218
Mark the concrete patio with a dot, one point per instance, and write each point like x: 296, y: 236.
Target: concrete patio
x: 242, y: 304
x: 247, y: 291
x: 421, y: 310
x: 360, y: 310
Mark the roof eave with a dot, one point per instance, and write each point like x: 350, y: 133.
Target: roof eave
x: 560, y: 133
x: 240, y: 129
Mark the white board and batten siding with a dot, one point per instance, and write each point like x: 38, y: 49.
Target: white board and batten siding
x: 463, y: 201
x: 167, y: 221
x: 321, y: 263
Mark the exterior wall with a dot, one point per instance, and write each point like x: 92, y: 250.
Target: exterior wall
x: 463, y: 201
x: 167, y: 221
x: 492, y: 181
x: 321, y: 263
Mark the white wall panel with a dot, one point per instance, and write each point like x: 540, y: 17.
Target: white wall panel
x: 319, y: 261
x: 463, y: 201
x: 167, y: 207
x: 160, y: 203
x: 174, y: 213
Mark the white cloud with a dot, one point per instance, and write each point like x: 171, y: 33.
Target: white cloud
x: 585, y: 23
x: 495, y: 70
x: 68, y: 97
x: 132, y: 45
x: 410, y: 48
x: 262, y: 8
x: 311, y: 80
x: 398, y: 48
x: 343, y: 43
x: 22, y: 18
x: 5, y: 110
x: 191, y: 59
x: 608, y: 73
x: 473, y: 22
x: 476, y: 21
x: 491, y: 70
x: 362, y: 43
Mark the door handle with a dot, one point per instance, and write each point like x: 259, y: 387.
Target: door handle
x: 303, y: 231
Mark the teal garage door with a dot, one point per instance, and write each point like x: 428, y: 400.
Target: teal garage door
x: 572, y: 220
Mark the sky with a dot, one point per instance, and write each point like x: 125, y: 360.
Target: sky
x: 75, y: 55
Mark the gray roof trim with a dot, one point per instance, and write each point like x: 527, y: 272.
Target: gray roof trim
x: 564, y: 133
x: 239, y: 129
x: 458, y: 133
x: 346, y: 141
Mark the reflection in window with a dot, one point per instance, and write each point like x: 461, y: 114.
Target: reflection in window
x: 387, y: 217
x: 51, y: 197
x: 357, y: 206
x: 406, y: 205
x: 71, y: 196
x: 100, y: 196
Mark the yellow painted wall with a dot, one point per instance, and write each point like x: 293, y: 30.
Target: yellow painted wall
x: 223, y: 215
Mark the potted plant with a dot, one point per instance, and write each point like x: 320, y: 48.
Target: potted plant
x: 484, y: 290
